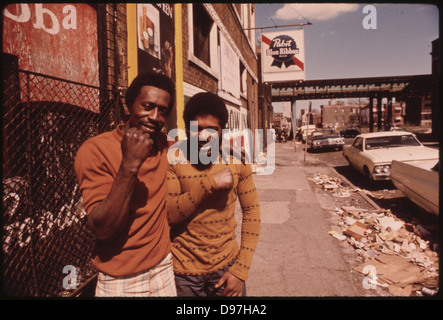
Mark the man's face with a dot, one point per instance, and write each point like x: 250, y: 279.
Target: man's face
x: 209, y: 128
x: 150, y: 110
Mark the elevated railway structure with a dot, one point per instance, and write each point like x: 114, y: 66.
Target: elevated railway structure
x: 410, y: 89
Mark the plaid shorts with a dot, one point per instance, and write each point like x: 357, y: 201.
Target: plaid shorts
x: 155, y: 282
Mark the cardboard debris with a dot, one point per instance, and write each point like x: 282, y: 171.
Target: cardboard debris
x: 390, y: 222
x: 428, y: 292
x: 357, y: 230
x: 338, y: 189
x: 405, y: 263
x: 353, y: 210
x: 333, y: 185
x: 394, y: 271
x: 399, y: 291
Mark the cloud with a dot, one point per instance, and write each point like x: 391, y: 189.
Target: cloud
x: 331, y: 33
x: 314, y: 11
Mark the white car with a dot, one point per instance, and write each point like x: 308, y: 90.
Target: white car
x: 372, y: 153
x: 306, y: 130
x: 419, y: 181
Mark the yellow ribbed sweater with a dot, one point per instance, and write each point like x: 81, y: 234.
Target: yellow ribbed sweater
x: 206, y: 241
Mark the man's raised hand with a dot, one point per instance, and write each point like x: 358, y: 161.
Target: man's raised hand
x: 136, y: 146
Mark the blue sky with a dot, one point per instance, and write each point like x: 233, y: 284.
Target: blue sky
x: 338, y: 46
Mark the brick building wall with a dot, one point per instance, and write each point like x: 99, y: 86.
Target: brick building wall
x: 192, y: 74
x: 199, y: 77
x: 339, y: 115
x: 229, y: 15
x: 113, y: 56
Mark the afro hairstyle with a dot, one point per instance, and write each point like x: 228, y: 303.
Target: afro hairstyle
x: 153, y: 79
x: 205, y: 103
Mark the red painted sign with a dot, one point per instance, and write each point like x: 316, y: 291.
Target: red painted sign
x: 55, y: 39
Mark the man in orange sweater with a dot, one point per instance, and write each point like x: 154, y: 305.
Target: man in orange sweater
x: 122, y: 177
x: 201, y: 207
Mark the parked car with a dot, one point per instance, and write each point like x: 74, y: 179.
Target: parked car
x: 394, y: 128
x: 349, y: 132
x: 325, y: 139
x: 306, y: 129
x: 419, y: 181
x: 372, y: 153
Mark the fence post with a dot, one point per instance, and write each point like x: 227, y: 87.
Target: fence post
x: 29, y: 170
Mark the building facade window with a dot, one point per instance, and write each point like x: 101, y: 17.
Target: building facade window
x: 202, y: 30
x: 243, y: 80
x: 202, y: 39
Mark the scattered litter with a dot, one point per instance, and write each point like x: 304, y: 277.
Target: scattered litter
x: 338, y: 189
x: 357, y: 230
x: 399, y: 291
x: 393, y: 270
x: 349, y: 221
x: 333, y: 185
x: 404, y: 261
x: 354, y: 211
x: 337, y: 235
x: 390, y: 222
x: 422, y: 230
x: 428, y: 292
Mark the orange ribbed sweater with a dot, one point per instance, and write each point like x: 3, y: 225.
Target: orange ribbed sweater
x: 146, y: 241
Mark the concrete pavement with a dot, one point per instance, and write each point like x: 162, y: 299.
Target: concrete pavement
x: 295, y: 256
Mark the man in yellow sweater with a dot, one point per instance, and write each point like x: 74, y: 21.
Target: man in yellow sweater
x: 201, y: 202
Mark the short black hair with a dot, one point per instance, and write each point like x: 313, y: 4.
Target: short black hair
x: 153, y: 79
x: 205, y: 103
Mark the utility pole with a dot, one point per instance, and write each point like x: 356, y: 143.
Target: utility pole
x: 308, y: 120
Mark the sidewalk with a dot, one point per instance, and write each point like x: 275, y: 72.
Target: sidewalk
x: 295, y: 256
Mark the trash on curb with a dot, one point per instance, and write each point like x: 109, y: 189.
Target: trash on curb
x: 337, y: 235
x: 338, y: 189
x: 397, y: 273
x: 357, y: 230
x: 331, y: 184
x: 404, y: 262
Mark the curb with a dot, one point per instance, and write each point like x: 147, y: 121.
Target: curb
x: 362, y: 194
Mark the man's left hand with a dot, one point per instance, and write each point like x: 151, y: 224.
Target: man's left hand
x: 234, y: 286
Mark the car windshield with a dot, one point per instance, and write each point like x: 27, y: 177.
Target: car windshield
x: 324, y: 134
x: 391, y: 142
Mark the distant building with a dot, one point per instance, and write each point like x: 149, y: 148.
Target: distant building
x: 314, y: 118
x: 339, y: 116
x: 426, y: 112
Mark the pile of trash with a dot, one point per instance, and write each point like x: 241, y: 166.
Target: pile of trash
x: 333, y: 185
x: 392, y: 253
x: 338, y: 189
x: 403, y: 261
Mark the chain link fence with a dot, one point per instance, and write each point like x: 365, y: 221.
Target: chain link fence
x: 46, y: 245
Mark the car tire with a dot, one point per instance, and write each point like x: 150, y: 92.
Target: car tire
x: 367, y: 173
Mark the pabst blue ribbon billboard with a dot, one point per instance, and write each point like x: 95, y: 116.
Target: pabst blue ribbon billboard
x: 283, y: 56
